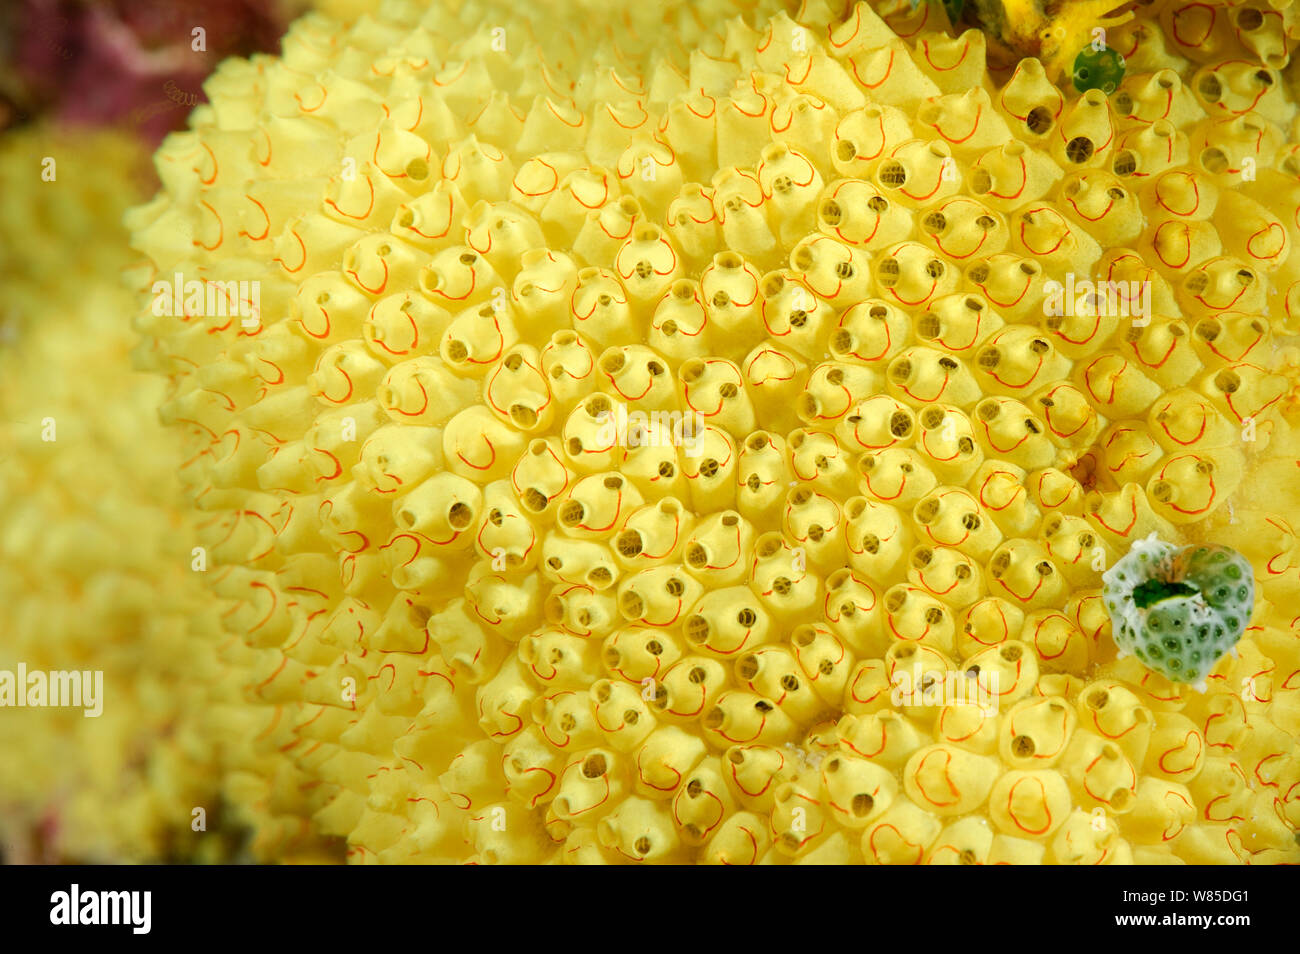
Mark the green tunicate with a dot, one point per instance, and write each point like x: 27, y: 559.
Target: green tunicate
x: 1098, y: 69
x: 1175, y: 609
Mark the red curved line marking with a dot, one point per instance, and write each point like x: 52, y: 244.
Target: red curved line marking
x: 1024, y: 182
x: 213, y: 177
x: 925, y: 46
x: 577, y: 125
x: 1091, y: 218
x: 1059, y: 242
x: 369, y: 208
x: 365, y: 287
x: 266, y: 229
x: 979, y: 111
x: 1196, y: 190
x: 1281, y: 243
x: 302, y: 245
x: 324, y: 95
x: 267, y: 136
x: 221, y: 229
x: 490, y: 462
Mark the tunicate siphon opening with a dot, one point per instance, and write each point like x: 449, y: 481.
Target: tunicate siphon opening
x: 926, y: 510
x: 1079, y: 149
x: 1227, y: 381
x: 999, y: 565
x: 631, y: 605
x: 892, y: 174
x: 747, y: 667
x: 1039, y: 120
x: 459, y: 516
x: 1213, y: 160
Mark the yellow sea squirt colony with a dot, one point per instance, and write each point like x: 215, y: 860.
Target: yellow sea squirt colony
x: 801, y: 260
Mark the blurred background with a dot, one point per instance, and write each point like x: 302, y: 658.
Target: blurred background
x: 136, y: 66
x: 94, y: 550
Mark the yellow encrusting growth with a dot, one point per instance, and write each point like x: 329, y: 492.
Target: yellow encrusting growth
x: 633, y: 404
